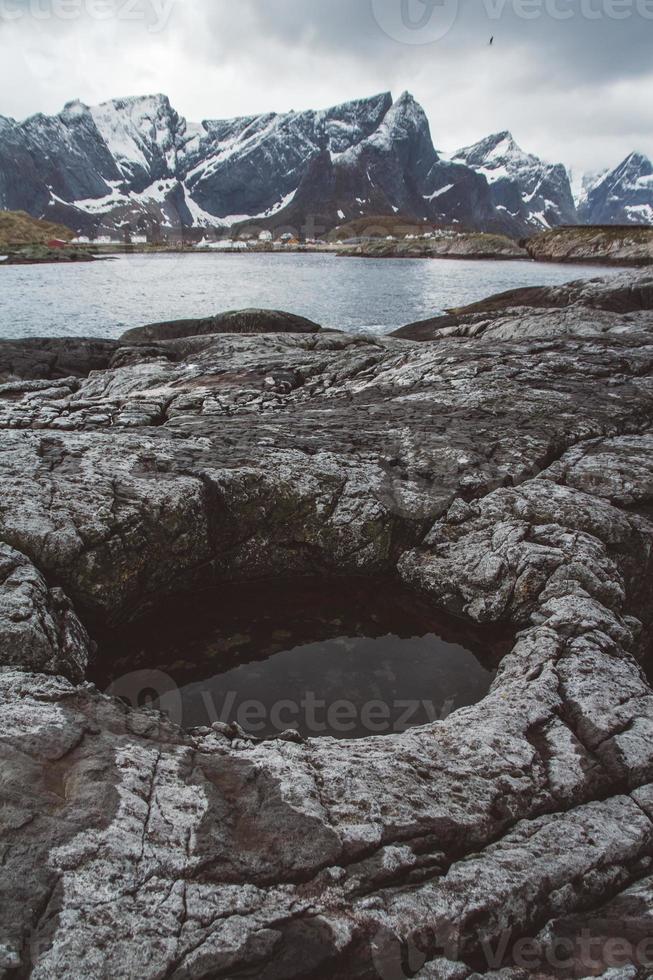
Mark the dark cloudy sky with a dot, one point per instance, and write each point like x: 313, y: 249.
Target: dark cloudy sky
x: 573, y: 79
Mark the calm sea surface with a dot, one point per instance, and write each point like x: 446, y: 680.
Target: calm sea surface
x: 103, y: 299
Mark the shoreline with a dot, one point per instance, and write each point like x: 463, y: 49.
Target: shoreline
x: 107, y: 253
x: 618, y: 247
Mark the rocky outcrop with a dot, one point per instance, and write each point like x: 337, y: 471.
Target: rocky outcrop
x: 235, y: 321
x: 623, y: 293
x: 581, y: 308
x: 522, y: 323
x: 41, y: 254
x: 450, y: 245
x: 52, y: 358
x: 617, y: 245
x: 504, y: 480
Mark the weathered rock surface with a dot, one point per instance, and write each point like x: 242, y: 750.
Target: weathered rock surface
x: 508, y: 480
x: 462, y: 245
x: 532, y: 311
x: 53, y: 358
x: 618, y: 245
x: 528, y: 324
x: 621, y: 293
x: 38, y: 629
x: 235, y: 321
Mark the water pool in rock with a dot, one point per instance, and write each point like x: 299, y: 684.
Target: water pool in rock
x: 342, y: 659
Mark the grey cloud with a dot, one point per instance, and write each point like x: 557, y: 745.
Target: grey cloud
x: 563, y: 48
x: 565, y: 87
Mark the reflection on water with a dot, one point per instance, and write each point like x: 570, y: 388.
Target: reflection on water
x: 103, y: 299
x: 345, y: 659
x: 346, y: 687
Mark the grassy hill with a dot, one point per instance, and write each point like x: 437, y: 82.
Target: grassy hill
x: 19, y: 228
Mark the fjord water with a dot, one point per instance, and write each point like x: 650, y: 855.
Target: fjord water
x: 103, y: 299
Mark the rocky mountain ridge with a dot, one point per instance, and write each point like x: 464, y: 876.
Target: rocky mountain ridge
x: 135, y: 164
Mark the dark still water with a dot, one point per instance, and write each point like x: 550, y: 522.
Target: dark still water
x: 346, y: 660
x: 103, y: 299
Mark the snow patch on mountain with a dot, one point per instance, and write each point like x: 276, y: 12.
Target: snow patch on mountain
x: 235, y: 219
x: 439, y: 193
x: 139, y: 132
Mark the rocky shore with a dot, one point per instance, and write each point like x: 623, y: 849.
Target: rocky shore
x: 587, y: 244
x: 628, y: 245
x: 42, y: 255
x: 446, y: 245
x: 503, y: 472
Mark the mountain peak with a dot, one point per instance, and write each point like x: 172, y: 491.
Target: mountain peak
x: 75, y: 109
x: 637, y: 159
x: 493, y: 150
x: 522, y: 185
x: 505, y: 136
x: 408, y: 109
x: 129, y: 101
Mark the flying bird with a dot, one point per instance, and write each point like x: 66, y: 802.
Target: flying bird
x: 491, y: 41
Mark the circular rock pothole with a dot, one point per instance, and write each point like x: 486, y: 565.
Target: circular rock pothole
x: 346, y: 659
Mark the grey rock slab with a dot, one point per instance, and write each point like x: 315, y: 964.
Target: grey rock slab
x: 234, y: 321
x: 504, y: 481
x: 39, y: 630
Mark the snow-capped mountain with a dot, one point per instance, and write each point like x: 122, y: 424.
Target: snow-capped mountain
x: 622, y: 196
x: 136, y: 165
x: 532, y: 192
x: 392, y: 169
